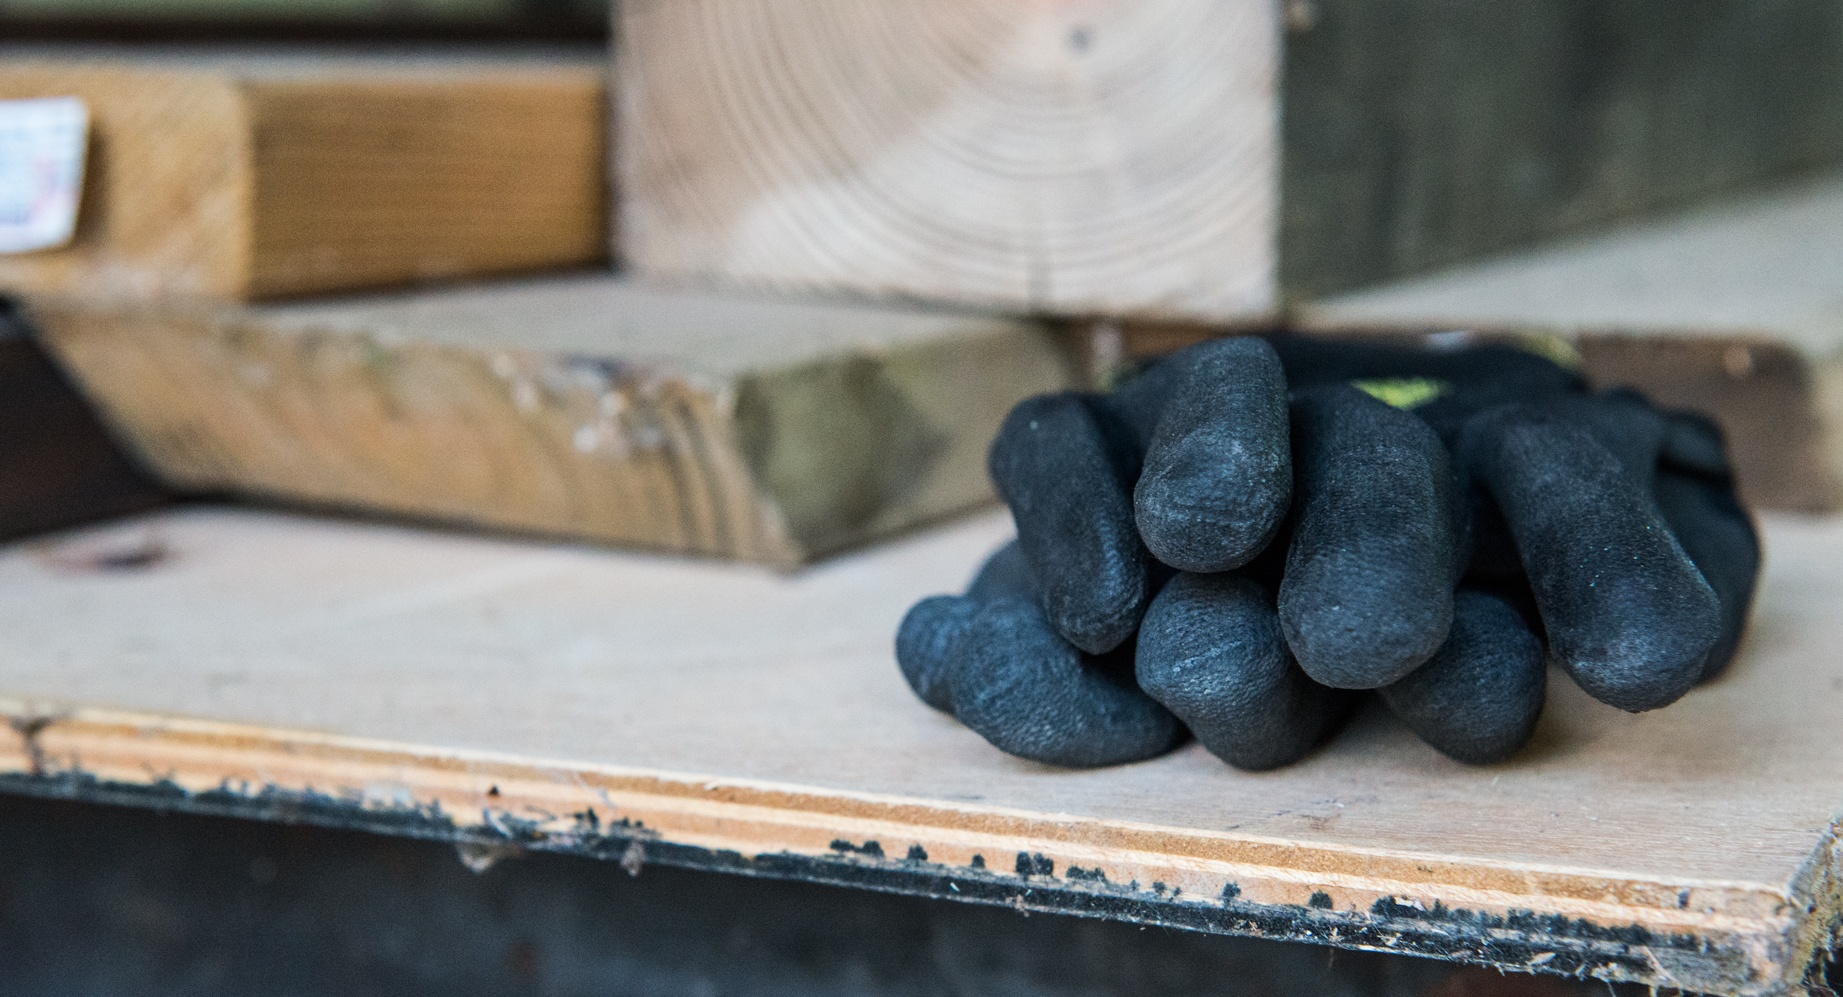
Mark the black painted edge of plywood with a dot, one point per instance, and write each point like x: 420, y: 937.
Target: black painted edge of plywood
x: 1520, y: 942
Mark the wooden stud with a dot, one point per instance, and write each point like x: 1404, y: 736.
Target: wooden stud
x: 254, y: 175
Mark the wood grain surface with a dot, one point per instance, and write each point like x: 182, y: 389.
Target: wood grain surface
x: 585, y: 407
x: 245, y: 174
x: 626, y: 706
x: 1062, y: 157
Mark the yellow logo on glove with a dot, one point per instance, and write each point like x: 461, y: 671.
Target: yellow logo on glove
x: 1403, y: 392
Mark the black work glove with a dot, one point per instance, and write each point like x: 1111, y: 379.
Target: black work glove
x: 1621, y: 519
x: 1384, y: 527
x: 1039, y: 656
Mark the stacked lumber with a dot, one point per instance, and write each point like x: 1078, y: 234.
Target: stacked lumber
x: 1107, y: 158
x: 1200, y: 159
x: 241, y: 175
x: 766, y: 430
x: 584, y: 407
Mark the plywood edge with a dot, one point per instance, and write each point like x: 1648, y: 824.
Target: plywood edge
x: 1721, y: 937
x: 1819, y: 888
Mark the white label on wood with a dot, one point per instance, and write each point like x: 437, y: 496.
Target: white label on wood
x: 42, y: 144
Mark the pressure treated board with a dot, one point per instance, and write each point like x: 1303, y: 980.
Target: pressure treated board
x: 655, y: 710
x: 586, y: 407
x: 262, y: 173
x: 1199, y: 159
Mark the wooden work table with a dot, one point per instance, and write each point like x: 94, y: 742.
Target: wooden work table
x: 505, y: 694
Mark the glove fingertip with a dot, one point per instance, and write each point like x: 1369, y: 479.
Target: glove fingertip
x: 927, y: 644
x: 1367, y: 636
x: 1211, y: 652
x: 1031, y: 694
x: 1478, y: 699
x: 1627, y: 613
x: 1367, y: 594
x: 1217, y: 479
x: 1067, y: 479
x: 1724, y: 543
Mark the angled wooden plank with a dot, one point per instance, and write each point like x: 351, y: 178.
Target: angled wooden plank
x: 584, y: 407
x: 1209, y: 160
x: 559, y: 698
x: 242, y: 174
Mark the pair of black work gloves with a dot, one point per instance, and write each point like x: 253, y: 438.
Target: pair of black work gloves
x: 1234, y: 543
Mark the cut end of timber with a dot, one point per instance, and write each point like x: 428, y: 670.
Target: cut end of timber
x: 1104, y: 158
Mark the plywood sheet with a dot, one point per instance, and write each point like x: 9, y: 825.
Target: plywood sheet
x: 664, y: 710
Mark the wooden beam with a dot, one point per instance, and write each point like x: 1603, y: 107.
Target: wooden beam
x: 629, y: 708
x: 1062, y: 157
x: 585, y: 407
x: 263, y: 173
x: 1197, y: 159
